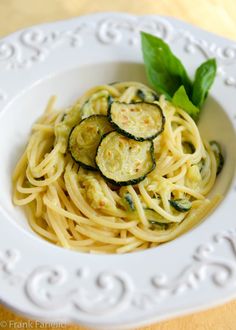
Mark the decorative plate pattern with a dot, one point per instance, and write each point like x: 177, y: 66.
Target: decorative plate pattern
x: 114, y: 291
x: 205, y: 265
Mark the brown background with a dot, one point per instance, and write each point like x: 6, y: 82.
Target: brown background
x: 218, y: 16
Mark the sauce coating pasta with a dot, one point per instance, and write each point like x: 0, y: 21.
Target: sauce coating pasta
x: 78, y: 209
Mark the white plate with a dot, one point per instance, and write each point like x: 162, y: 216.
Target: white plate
x: 43, y: 281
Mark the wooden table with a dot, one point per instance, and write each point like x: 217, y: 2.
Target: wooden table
x: 218, y: 16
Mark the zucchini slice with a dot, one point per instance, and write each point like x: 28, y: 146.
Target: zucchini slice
x: 147, y: 95
x: 123, y: 161
x: 139, y: 121
x: 98, y: 104
x: 181, y: 205
x: 63, y: 128
x: 85, y: 138
x: 203, y: 168
x: 154, y: 216
x: 157, y: 225
x: 188, y: 147
x: 215, y: 147
x: 129, y: 201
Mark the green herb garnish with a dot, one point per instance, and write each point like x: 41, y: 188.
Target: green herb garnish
x: 168, y: 76
x: 204, y: 78
x: 181, y: 99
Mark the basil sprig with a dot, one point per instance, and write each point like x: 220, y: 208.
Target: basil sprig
x: 204, y: 78
x: 168, y: 76
x: 181, y: 100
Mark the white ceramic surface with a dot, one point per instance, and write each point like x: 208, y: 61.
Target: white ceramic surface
x: 46, y: 282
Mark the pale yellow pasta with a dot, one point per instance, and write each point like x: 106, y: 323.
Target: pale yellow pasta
x: 78, y: 209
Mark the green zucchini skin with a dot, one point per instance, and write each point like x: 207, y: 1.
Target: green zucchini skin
x: 114, y: 83
x: 73, y: 149
x: 154, y: 216
x: 129, y: 201
x: 127, y: 133
x: 147, y: 96
x: 155, y: 224
x: 220, y: 164
x: 181, y: 205
x: 109, y: 101
x: 188, y: 147
x: 218, y: 155
x: 87, y: 109
x: 98, y: 160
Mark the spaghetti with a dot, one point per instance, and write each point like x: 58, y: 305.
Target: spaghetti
x: 78, y: 209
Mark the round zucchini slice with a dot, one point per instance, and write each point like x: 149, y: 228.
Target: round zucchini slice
x: 123, y: 161
x: 85, y: 138
x: 139, y: 121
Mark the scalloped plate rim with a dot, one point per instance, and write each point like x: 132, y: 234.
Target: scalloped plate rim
x: 167, y: 314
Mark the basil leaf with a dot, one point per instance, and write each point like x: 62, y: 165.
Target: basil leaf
x: 181, y: 100
x: 165, y: 71
x: 204, y: 78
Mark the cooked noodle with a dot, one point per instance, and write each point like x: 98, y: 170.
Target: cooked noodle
x: 77, y: 209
